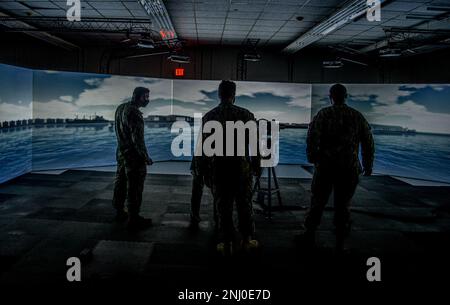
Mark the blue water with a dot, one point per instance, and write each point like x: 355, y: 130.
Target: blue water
x: 15, y: 152
x: 419, y: 156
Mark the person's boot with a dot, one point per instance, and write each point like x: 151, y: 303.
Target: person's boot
x: 249, y: 245
x: 136, y: 223
x: 121, y: 215
x: 225, y: 249
x: 307, y: 239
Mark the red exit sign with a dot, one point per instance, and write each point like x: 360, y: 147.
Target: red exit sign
x: 179, y: 72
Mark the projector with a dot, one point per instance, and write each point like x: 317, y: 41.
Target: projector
x: 333, y: 64
x: 390, y: 53
x: 182, y: 59
x: 252, y: 57
x: 146, y: 43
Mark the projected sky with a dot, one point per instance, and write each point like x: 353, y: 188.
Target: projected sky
x: 287, y: 103
x: 62, y: 94
x: 66, y: 95
x: 425, y: 108
x: 15, y: 93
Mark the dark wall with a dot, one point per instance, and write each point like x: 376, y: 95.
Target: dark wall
x: 222, y: 63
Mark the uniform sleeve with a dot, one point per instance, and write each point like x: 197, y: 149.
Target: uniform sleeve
x: 313, y: 139
x: 367, y: 145
x: 136, y: 124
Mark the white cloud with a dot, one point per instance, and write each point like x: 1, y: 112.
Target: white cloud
x: 66, y: 98
x: 93, y: 81
x: 268, y: 115
x: 387, y: 93
x: 418, y: 117
x: 439, y: 87
x: 408, y: 114
x: 299, y: 93
x: 166, y: 110
x: 189, y: 91
x: 301, y: 101
x: 55, y: 109
x: 113, y: 90
x: 14, y: 112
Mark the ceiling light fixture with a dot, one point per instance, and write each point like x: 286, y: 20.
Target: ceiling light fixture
x: 386, y: 53
x: 332, y: 64
x: 179, y: 58
x: 252, y: 56
x: 146, y: 43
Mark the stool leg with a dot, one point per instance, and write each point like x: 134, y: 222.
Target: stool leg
x: 276, y: 185
x: 269, y: 192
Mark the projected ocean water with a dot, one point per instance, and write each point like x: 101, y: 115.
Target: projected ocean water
x: 15, y: 156
x: 419, y: 156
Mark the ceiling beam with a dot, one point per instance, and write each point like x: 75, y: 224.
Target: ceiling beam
x: 157, y: 11
x: 86, y: 25
x: 413, y: 31
x: 32, y: 31
x: 350, y: 12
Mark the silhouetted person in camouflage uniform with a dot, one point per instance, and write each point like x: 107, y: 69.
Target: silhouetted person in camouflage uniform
x: 196, y: 196
x: 198, y: 184
x: 132, y: 159
x: 231, y: 176
x: 333, y: 141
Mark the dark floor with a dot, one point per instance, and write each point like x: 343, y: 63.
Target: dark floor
x: 45, y: 219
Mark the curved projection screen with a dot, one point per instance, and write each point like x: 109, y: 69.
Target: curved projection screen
x: 84, y: 104
x: 71, y: 119
x: 411, y: 126
x: 66, y: 96
x: 16, y: 88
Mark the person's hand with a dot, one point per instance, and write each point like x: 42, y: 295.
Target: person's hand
x: 149, y: 161
x: 367, y: 172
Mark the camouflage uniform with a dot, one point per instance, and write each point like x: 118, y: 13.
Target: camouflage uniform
x: 131, y: 158
x: 198, y: 183
x: 197, y: 192
x: 231, y: 176
x: 333, y: 142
